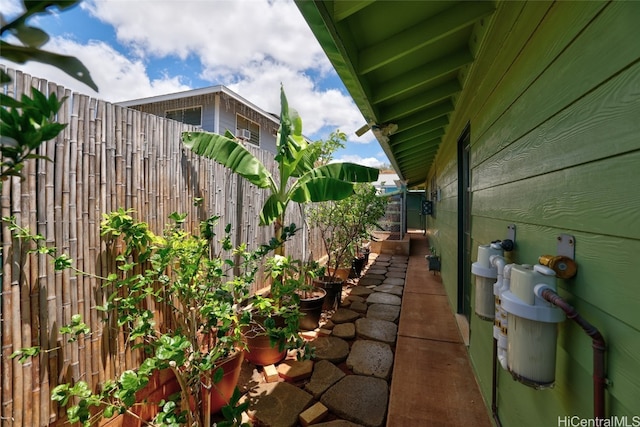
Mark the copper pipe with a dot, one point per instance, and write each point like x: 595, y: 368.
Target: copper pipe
x: 598, y: 344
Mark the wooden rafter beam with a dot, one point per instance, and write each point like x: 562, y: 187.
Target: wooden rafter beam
x: 421, y: 75
x: 428, y: 105
x: 344, y: 9
x: 416, y: 133
x: 422, y: 34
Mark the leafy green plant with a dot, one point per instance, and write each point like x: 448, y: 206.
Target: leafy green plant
x: 344, y: 223
x: 24, y: 125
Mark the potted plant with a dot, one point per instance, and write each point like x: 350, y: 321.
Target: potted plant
x: 342, y: 225
x: 433, y: 260
x: 204, y: 303
x: 292, y: 281
x: 300, y: 179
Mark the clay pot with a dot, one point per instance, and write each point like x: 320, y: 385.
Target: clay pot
x: 259, y: 350
x: 341, y: 273
x: 219, y: 394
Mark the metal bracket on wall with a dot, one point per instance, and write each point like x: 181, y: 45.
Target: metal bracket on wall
x: 567, y: 246
x: 511, y: 232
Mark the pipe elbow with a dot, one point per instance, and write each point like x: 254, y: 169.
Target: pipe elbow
x: 498, y: 262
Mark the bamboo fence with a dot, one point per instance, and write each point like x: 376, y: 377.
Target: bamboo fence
x: 108, y: 157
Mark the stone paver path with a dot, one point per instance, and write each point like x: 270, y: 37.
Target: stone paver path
x: 354, y: 352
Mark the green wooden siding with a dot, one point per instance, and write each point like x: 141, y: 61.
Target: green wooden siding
x: 553, y: 102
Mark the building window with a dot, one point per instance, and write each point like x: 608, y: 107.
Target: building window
x: 190, y: 116
x: 247, y: 130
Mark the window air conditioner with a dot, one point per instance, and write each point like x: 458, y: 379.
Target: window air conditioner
x: 244, y: 134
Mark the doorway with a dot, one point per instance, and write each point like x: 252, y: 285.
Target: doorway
x: 464, y: 224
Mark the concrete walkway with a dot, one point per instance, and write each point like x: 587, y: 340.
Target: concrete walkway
x: 433, y: 382
x: 390, y: 355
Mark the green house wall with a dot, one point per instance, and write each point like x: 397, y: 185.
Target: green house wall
x: 553, y: 104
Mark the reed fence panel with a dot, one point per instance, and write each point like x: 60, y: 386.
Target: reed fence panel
x: 108, y: 157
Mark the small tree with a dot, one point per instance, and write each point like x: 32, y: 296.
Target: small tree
x: 344, y: 223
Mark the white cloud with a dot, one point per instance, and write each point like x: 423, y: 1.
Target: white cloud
x: 221, y: 33
x: 366, y: 161
x: 117, y: 77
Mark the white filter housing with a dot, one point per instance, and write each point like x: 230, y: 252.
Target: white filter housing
x: 531, y: 340
x: 486, y: 275
x: 484, y: 300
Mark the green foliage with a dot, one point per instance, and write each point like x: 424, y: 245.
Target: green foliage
x: 296, y: 159
x: 343, y: 224
x: 76, y: 328
x: 31, y: 39
x: 336, y: 141
x: 24, y: 125
x: 233, y: 411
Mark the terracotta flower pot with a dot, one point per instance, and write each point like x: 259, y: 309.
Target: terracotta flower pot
x: 218, y: 394
x: 259, y: 349
x: 340, y: 273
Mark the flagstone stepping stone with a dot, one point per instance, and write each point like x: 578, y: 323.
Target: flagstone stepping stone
x: 361, y: 291
x: 395, y: 290
x: 365, y: 281
x: 374, y: 276
x: 345, y: 331
x: 354, y: 298
x: 399, y: 258
x: 401, y: 267
x: 360, y: 399
x: 387, y: 312
x: 376, y: 271
x: 372, y: 358
x: 380, y: 263
x: 277, y: 404
x: 295, y: 370
x: 376, y: 329
x: 330, y: 348
x: 383, y: 298
x: 396, y: 281
x: 401, y: 274
x: 383, y: 257
x: 325, y: 374
x: 344, y: 315
x: 360, y: 307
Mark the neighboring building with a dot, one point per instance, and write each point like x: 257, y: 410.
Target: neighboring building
x: 515, y: 113
x: 215, y: 109
x: 387, y: 183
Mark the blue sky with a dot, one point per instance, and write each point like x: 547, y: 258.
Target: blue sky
x: 141, y: 48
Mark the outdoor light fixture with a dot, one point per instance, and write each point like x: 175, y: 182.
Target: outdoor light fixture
x: 385, y: 129
x: 364, y: 129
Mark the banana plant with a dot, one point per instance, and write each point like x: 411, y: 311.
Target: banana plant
x: 300, y: 179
